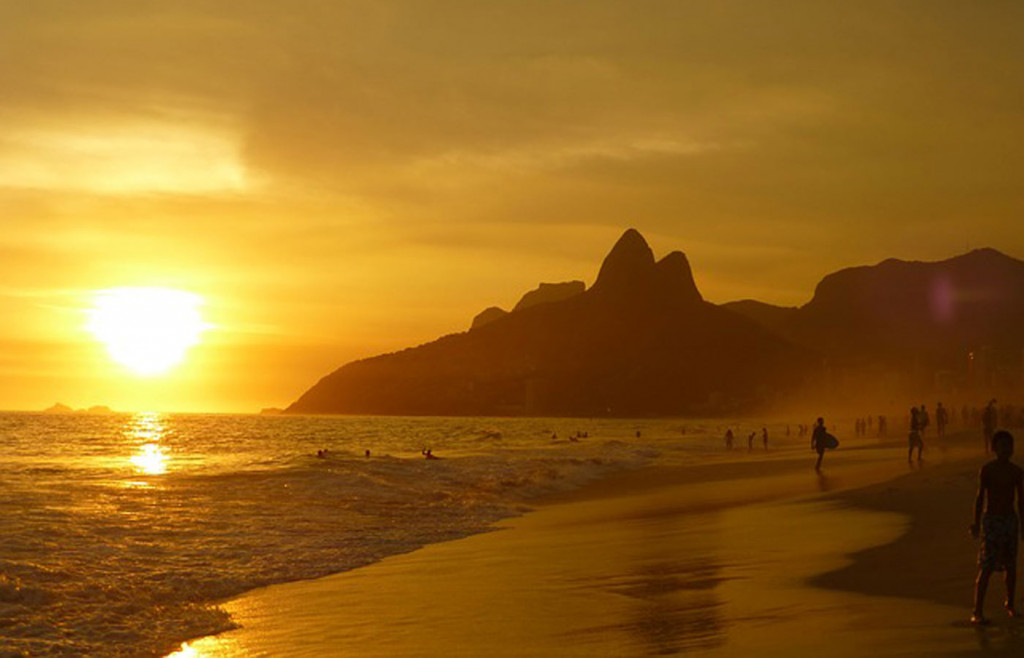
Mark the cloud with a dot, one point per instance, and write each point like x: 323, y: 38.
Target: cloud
x: 128, y: 159
x: 323, y: 168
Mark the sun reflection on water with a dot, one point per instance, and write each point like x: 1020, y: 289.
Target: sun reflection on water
x: 149, y: 458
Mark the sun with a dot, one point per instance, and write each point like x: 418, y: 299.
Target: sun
x: 147, y: 330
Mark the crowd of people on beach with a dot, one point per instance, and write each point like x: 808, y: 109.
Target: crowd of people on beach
x: 919, y: 420
x: 868, y: 424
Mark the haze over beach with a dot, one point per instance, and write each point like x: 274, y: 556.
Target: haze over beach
x: 504, y: 328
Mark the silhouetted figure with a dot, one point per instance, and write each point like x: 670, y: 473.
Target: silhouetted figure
x: 728, y: 439
x: 883, y: 426
x: 429, y: 454
x: 764, y: 437
x: 923, y: 419
x: 1001, y: 494
x: 914, y: 440
x: 750, y: 441
x: 321, y: 454
x: 988, y: 423
x: 638, y: 434
x: 941, y: 419
x: 367, y: 453
x: 819, y: 441
x: 787, y: 430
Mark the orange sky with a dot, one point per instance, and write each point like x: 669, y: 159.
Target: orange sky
x: 338, y: 179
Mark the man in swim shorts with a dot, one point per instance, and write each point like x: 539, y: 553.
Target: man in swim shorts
x: 1001, y: 495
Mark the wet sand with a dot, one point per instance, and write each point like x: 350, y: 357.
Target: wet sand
x: 751, y: 557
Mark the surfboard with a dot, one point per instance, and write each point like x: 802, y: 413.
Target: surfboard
x: 831, y: 442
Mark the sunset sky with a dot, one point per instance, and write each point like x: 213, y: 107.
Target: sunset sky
x: 338, y: 179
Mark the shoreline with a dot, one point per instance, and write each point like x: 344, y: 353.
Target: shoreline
x: 676, y: 547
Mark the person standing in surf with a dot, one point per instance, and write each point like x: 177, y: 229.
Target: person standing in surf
x: 1001, y: 496
x: 819, y: 441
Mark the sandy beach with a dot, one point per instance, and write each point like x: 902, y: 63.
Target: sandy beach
x: 754, y: 556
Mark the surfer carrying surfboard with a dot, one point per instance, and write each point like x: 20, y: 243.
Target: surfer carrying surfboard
x: 821, y: 441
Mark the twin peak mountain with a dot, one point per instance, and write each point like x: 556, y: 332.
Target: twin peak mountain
x: 629, y: 271
x: 642, y: 341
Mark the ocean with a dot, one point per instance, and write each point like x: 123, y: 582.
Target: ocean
x: 119, y: 533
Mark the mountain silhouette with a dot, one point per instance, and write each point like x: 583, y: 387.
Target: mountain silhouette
x: 543, y: 294
x: 901, y: 313
x: 550, y: 292
x: 487, y: 316
x: 640, y: 341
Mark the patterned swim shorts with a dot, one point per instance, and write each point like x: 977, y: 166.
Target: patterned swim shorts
x: 999, y: 542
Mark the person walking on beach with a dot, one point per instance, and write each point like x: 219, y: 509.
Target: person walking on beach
x: 750, y: 441
x: 728, y: 439
x: 764, y: 437
x: 818, y: 441
x: 1001, y: 495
